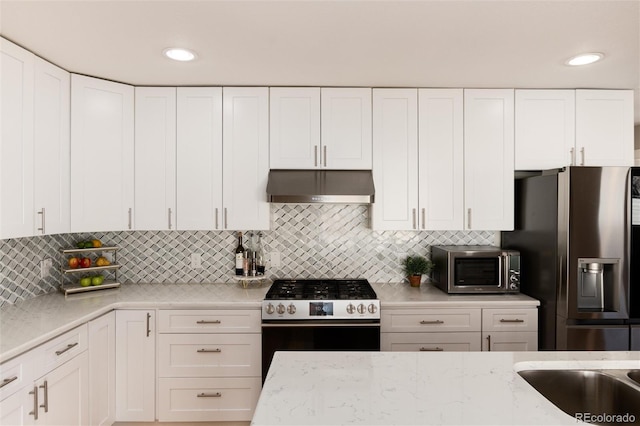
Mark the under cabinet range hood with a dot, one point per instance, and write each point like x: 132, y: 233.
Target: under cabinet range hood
x: 320, y: 186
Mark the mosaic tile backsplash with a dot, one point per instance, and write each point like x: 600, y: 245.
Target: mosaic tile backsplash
x: 318, y: 240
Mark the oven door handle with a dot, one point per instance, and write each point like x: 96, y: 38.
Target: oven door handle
x: 320, y: 324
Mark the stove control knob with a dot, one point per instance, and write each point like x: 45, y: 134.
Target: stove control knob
x: 291, y: 309
x: 361, y: 308
x: 270, y: 309
x: 350, y: 308
x: 372, y: 309
x: 280, y: 309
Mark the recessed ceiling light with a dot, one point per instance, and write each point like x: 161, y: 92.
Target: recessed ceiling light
x: 584, y: 59
x: 179, y: 54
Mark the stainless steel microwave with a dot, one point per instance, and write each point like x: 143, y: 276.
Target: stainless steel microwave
x: 476, y: 269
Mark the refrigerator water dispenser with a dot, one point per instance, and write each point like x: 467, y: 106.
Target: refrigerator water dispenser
x: 597, y: 284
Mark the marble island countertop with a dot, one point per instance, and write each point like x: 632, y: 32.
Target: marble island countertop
x: 34, y: 321
x: 413, y: 388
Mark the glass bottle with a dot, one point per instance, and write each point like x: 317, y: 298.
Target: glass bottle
x: 239, y: 255
x: 259, y: 255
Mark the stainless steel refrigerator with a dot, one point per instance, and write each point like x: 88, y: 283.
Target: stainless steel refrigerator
x: 573, y: 228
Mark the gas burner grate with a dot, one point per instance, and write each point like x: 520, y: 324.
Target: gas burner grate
x: 310, y: 289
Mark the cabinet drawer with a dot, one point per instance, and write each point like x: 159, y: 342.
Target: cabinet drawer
x: 16, y: 373
x: 210, y: 321
x: 430, y: 342
x: 510, y: 319
x: 61, y: 349
x: 207, y: 399
x: 216, y: 355
x: 510, y: 341
x: 429, y: 320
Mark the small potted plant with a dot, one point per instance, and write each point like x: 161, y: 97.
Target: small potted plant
x: 414, y: 267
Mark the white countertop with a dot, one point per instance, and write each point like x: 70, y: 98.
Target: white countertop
x: 34, y: 321
x: 414, y: 388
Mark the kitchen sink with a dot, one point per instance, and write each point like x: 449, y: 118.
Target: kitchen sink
x: 634, y: 375
x: 605, y: 394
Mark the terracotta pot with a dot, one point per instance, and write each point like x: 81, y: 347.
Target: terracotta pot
x: 414, y: 280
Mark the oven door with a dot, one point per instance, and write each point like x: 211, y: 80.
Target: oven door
x: 479, y: 273
x: 317, y: 335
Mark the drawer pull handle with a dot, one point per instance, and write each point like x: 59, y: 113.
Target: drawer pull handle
x: 511, y: 320
x: 5, y: 382
x: 432, y: 322
x: 69, y: 346
x: 208, y: 322
x: 45, y: 386
x: 34, y: 413
x: 216, y: 350
x: 209, y: 395
x: 436, y: 349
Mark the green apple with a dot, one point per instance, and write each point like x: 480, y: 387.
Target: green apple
x: 97, y: 280
x: 85, y: 282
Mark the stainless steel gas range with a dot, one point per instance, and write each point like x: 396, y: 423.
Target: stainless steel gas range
x: 319, y: 315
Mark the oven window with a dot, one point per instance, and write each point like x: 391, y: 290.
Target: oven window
x: 477, y: 271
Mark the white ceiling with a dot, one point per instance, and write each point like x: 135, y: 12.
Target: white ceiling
x: 410, y: 43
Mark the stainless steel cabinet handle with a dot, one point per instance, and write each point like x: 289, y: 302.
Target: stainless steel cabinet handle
x: 424, y: 217
x: 315, y: 155
x: 572, y: 152
x: 511, y: 320
x: 436, y: 349
x: 489, y: 343
x: 209, y: 395
x: 325, y: 156
x: 469, y: 218
x: 148, y: 324
x: 34, y: 413
x: 216, y: 350
x: 5, y: 382
x: 208, y: 322
x: 226, y: 225
x: 582, y: 156
x: 69, y: 346
x: 432, y: 322
x: 45, y: 405
x: 216, y: 218
x: 41, y: 212
x: 414, y: 219
x: 129, y: 213
x: 169, y: 217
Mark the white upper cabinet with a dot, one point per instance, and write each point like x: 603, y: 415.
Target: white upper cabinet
x: 441, y: 158
x: 604, y: 127
x: 327, y: 128
x: 16, y: 145
x: 346, y: 128
x: 489, y: 159
x: 395, y: 159
x: 294, y: 127
x: 545, y: 129
x: 245, y: 161
x: 155, y: 158
x: 52, y: 148
x: 102, y: 151
x: 199, y: 158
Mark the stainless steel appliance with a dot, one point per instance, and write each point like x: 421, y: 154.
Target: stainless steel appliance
x: 573, y: 231
x: 319, y: 315
x: 476, y: 269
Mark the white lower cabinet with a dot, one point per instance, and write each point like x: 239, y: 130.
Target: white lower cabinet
x: 209, y: 365
x: 430, y: 329
x: 135, y: 365
x: 510, y: 329
x: 459, y: 329
x: 17, y: 396
x: 102, y: 366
